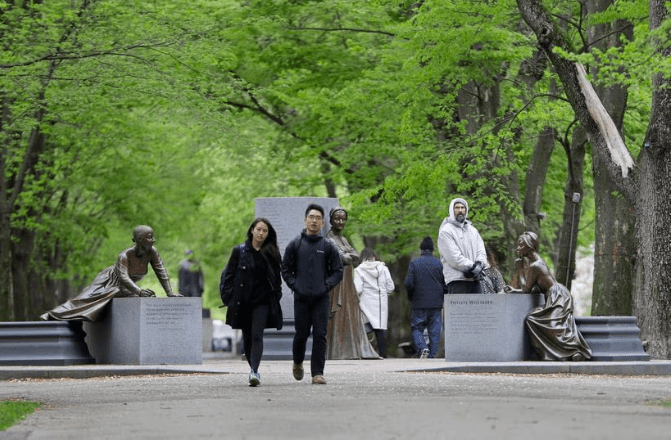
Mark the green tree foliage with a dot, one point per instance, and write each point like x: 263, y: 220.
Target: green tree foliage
x: 178, y: 114
x: 90, y: 93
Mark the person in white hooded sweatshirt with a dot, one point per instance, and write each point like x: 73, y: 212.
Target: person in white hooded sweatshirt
x: 462, y: 251
x: 373, y: 285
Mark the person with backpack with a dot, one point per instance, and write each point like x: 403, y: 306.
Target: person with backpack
x: 251, y: 288
x: 311, y: 267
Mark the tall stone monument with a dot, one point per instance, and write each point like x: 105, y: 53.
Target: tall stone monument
x: 287, y: 215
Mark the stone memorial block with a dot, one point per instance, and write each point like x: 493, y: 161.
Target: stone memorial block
x: 488, y: 328
x: 146, y: 331
x: 287, y: 215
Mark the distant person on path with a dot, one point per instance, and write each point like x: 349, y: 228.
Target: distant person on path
x: 311, y: 267
x: 426, y: 288
x: 251, y: 288
x: 190, y: 276
x: 552, y: 329
x: 346, y: 335
x: 117, y: 281
x: 462, y: 250
x: 373, y: 284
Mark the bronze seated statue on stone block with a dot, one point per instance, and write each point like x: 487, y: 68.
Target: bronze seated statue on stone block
x: 118, y: 280
x: 552, y: 328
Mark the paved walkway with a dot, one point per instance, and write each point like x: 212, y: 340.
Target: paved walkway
x: 217, y: 363
x: 371, y: 399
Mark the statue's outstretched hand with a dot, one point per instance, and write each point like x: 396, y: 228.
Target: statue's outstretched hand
x: 175, y: 295
x: 146, y: 293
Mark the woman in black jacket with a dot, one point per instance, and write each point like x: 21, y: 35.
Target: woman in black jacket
x: 251, y: 288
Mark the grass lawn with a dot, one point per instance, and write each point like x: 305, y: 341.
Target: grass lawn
x: 12, y: 412
x: 664, y: 403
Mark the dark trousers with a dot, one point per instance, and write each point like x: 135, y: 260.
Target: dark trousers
x: 430, y: 319
x: 252, y: 335
x: 381, y: 342
x: 464, y: 287
x: 311, y: 314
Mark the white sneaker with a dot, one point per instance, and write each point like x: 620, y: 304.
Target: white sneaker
x: 254, y: 378
x: 425, y: 354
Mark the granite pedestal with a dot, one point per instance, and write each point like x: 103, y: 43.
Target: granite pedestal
x: 488, y: 328
x: 148, y: 331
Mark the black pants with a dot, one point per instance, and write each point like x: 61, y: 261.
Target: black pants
x: 381, y: 342
x: 464, y: 287
x: 252, y: 335
x: 311, y: 314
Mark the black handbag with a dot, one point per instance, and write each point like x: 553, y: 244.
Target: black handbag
x: 276, y: 312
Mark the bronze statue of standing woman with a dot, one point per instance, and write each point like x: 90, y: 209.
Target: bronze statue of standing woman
x: 552, y: 328
x: 118, y: 280
x: 346, y: 336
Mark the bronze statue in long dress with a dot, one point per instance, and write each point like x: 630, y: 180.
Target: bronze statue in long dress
x: 117, y: 281
x: 552, y: 329
x: 346, y: 336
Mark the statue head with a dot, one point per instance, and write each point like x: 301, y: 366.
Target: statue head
x: 530, y: 240
x: 140, y: 231
x: 338, y: 218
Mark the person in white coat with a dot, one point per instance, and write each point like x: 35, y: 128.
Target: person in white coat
x: 462, y: 251
x: 373, y: 285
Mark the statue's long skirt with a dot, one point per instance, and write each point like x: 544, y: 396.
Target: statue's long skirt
x: 552, y: 328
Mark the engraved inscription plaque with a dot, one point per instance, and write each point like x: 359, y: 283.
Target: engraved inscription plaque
x: 487, y: 328
x: 147, y: 331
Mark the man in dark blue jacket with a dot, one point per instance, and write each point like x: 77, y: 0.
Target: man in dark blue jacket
x: 311, y: 267
x: 425, y: 285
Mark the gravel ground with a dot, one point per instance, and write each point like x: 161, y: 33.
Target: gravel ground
x: 362, y: 400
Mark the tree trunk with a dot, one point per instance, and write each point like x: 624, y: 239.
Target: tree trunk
x: 6, y: 306
x: 614, y: 247
x: 6, y: 303
x: 399, y: 306
x: 23, y: 249
x: 647, y: 187
x: 567, y: 238
x: 652, y: 298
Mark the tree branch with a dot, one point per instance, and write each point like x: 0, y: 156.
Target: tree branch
x: 341, y: 29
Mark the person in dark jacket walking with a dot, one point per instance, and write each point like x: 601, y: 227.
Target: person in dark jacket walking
x: 311, y: 267
x: 251, y: 288
x: 425, y: 285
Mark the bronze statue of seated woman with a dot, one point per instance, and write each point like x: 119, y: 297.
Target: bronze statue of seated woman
x: 118, y: 280
x: 552, y: 328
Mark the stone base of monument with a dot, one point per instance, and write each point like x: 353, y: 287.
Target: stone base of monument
x: 277, y: 344
x: 43, y: 343
x: 488, y: 328
x: 148, y: 331
x: 612, y: 338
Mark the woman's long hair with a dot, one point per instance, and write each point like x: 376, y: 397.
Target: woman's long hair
x: 269, y: 249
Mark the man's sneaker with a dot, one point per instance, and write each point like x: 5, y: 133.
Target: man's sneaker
x: 298, y: 371
x: 254, y: 378
x: 425, y: 354
x: 318, y: 380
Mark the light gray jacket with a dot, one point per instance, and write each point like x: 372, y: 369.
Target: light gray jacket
x: 460, y: 246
